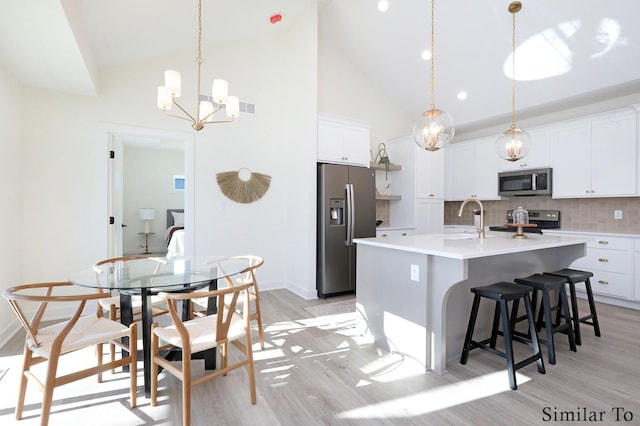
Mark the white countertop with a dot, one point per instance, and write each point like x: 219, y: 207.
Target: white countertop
x: 560, y: 231
x: 594, y: 234
x: 469, y: 246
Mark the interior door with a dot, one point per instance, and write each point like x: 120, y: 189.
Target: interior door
x: 118, y: 139
x: 115, y: 196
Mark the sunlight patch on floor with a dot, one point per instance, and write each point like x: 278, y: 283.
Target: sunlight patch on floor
x: 437, y: 398
x: 330, y: 321
x: 268, y: 354
x: 391, y: 367
x: 276, y: 369
x: 75, y: 402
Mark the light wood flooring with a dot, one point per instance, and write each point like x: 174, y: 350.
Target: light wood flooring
x: 316, y: 371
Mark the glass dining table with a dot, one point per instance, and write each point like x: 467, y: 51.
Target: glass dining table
x: 148, y: 276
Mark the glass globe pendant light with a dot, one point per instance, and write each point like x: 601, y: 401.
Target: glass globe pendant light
x: 434, y: 129
x: 514, y: 143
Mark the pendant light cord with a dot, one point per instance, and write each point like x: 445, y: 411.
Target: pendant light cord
x: 513, y: 71
x: 433, y: 56
x: 199, y: 58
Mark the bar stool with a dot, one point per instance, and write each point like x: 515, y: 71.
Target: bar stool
x: 546, y: 283
x: 576, y: 276
x: 501, y: 293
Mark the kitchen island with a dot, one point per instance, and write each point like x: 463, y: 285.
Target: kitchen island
x: 413, y: 292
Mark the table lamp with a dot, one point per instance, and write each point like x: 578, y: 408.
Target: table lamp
x: 147, y: 215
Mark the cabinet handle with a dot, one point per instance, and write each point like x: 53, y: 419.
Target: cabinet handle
x: 603, y: 282
x: 603, y: 242
x: 603, y: 260
x: 383, y: 235
x: 404, y: 234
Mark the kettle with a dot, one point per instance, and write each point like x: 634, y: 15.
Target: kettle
x: 520, y: 216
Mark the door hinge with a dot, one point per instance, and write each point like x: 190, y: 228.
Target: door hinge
x: 112, y: 220
x: 112, y: 154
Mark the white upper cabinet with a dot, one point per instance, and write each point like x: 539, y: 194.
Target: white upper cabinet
x: 539, y: 153
x: 571, y: 154
x: 472, y: 170
x: 596, y: 156
x: 421, y: 177
x: 343, y: 141
x: 424, y: 177
x: 614, y: 155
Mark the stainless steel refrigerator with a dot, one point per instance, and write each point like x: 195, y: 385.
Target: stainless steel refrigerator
x: 346, y: 210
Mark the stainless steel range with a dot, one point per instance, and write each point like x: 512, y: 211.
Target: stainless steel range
x: 545, y: 219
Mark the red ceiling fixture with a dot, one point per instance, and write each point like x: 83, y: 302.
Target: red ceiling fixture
x: 274, y: 19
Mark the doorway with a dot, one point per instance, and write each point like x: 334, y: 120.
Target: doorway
x: 144, y: 165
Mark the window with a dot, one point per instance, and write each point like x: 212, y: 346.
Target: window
x: 178, y: 183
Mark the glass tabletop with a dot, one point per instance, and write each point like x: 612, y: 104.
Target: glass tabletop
x: 159, y: 272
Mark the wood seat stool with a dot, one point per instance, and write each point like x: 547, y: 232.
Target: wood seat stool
x: 546, y: 284
x: 501, y: 293
x: 576, y: 276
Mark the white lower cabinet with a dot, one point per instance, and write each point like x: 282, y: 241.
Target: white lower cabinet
x: 610, y: 259
x: 394, y: 232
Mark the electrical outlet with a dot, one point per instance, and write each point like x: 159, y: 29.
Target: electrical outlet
x: 617, y: 214
x: 415, y: 273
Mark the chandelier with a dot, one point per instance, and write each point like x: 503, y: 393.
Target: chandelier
x: 434, y: 129
x: 514, y: 143
x: 205, y: 110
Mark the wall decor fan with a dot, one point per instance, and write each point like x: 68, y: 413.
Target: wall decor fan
x: 243, y: 186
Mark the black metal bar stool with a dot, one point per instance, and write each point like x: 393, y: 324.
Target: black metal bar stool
x: 503, y: 292
x: 546, y: 284
x: 576, y: 276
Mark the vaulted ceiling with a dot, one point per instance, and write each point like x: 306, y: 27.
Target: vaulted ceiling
x: 568, y: 51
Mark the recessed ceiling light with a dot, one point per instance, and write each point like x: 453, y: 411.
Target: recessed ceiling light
x: 462, y: 95
x: 383, y: 5
x: 426, y: 54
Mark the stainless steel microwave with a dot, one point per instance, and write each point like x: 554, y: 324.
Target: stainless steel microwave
x: 525, y: 182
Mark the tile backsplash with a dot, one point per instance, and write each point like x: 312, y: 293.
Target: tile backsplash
x: 580, y: 214
x: 382, y: 212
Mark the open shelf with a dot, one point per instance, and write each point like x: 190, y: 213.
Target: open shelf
x: 388, y: 197
x: 378, y: 166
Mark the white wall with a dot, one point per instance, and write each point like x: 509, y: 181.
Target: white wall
x: 11, y: 249
x: 345, y: 90
x: 148, y: 177
x: 278, y: 74
x: 65, y: 158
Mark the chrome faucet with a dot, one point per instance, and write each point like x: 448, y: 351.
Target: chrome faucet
x: 481, y: 229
